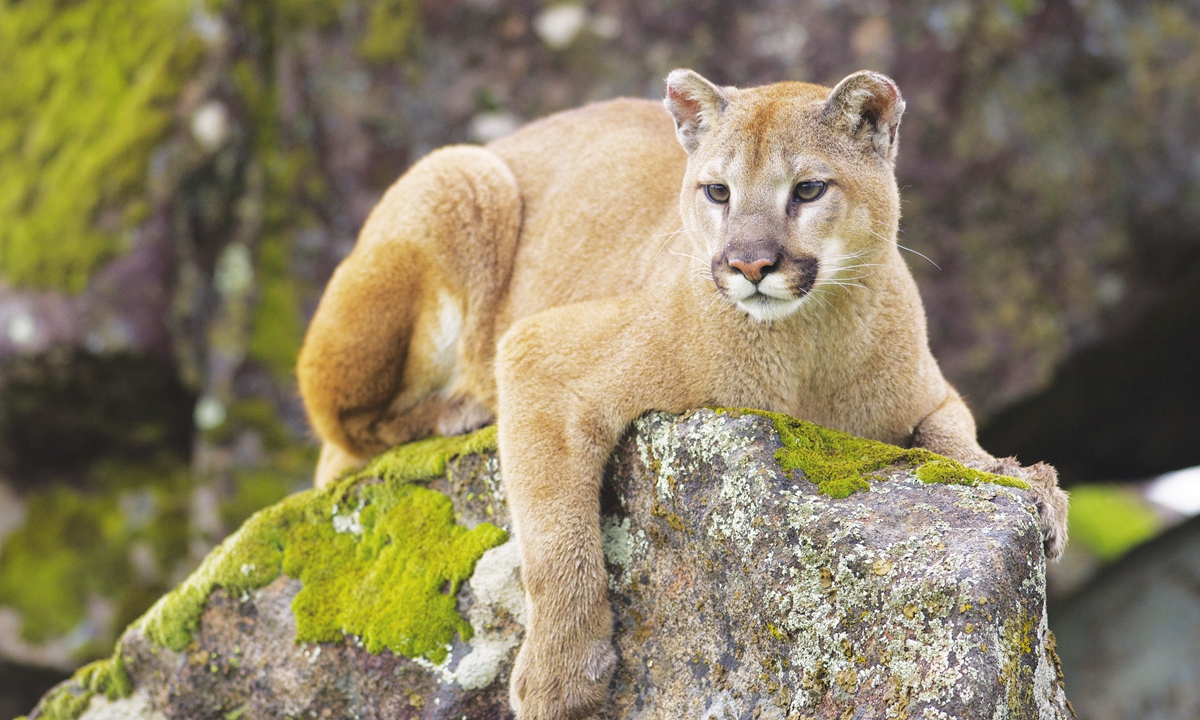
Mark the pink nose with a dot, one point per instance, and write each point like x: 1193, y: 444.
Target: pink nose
x: 752, y: 270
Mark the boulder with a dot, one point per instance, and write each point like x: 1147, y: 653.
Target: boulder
x: 760, y: 567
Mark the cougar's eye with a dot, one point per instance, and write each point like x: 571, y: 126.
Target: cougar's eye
x: 809, y: 190
x: 717, y: 193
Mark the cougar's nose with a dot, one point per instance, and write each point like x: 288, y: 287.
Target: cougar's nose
x: 753, y: 269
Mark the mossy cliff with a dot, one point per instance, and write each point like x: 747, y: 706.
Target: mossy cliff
x: 743, y: 581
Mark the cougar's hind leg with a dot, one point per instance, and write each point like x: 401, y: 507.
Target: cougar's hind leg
x: 402, y: 335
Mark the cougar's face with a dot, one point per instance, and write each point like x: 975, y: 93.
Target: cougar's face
x: 770, y: 227
x: 788, y: 205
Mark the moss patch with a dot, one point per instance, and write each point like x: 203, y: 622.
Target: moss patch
x: 84, y: 98
x: 840, y: 464
x: 379, y: 557
x: 69, y: 547
x: 104, y: 677
x: 77, y: 545
x: 951, y: 472
x: 1017, y: 639
x: 427, y: 458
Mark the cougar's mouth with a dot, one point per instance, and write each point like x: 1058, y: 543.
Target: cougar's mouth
x: 769, y: 293
x: 765, y: 308
x: 767, y: 300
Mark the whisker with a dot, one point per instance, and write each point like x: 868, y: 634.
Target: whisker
x: 665, y: 242
x: 864, y: 265
x: 914, y: 252
x: 703, y: 263
x: 819, y: 295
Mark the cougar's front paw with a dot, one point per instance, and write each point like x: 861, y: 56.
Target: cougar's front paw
x: 555, y: 682
x: 1050, y: 500
x: 1052, y: 504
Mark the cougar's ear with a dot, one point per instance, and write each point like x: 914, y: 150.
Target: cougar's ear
x: 868, y: 106
x: 695, y: 103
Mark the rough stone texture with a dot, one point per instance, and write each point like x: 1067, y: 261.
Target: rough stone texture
x: 1130, y: 640
x: 739, y: 592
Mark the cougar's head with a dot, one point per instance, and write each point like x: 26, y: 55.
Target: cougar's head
x: 790, y: 187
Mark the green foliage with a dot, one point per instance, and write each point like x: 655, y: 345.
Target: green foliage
x: 84, y: 98
x: 75, y: 545
x: 256, y: 415
x: 391, y: 31
x: 1110, y: 520
x: 840, y: 464
x: 256, y: 489
x: 287, y: 467
x: 278, y: 327
x: 380, y: 560
x: 78, y: 544
x: 70, y: 546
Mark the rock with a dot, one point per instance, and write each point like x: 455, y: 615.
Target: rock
x: 740, y: 590
x: 1130, y: 640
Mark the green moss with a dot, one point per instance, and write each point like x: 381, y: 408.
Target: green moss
x: 106, y: 677
x: 378, y: 559
x: 427, y: 458
x: 70, y: 547
x: 952, y: 472
x: 65, y: 703
x: 84, y: 98
x: 1017, y: 639
x: 1109, y: 520
x: 840, y: 464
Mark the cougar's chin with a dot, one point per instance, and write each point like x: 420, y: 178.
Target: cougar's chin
x: 766, y: 301
x: 766, y: 308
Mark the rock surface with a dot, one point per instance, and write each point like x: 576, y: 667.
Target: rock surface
x: 1131, y: 638
x: 739, y: 591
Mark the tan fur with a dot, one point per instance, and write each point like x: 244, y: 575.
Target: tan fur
x: 590, y: 290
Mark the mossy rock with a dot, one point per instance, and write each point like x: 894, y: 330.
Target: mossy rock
x: 739, y: 582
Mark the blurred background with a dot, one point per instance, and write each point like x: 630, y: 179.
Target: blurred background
x: 178, y: 179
